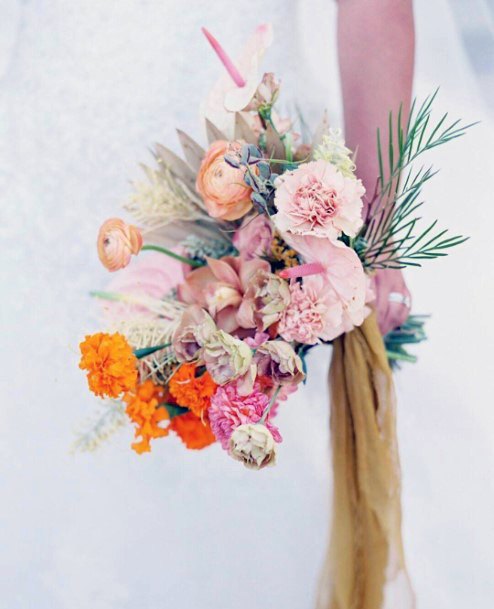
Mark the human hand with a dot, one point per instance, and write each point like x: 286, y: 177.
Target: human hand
x: 393, y: 299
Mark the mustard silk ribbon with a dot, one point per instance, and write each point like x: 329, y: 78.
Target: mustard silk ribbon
x: 365, y: 565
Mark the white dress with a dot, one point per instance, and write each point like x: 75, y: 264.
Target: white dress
x: 86, y: 87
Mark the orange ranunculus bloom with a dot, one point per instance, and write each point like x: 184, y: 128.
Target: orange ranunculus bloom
x: 225, y: 194
x: 142, y: 409
x: 191, y: 391
x: 193, y: 432
x: 117, y: 242
x: 110, y: 362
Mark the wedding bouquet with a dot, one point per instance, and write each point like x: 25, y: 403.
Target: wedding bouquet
x: 251, y: 252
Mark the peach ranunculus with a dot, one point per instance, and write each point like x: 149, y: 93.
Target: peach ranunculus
x: 222, y: 187
x: 317, y: 199
x: 219, y: 288
x: 117, y: 241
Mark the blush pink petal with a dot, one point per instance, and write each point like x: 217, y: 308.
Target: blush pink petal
x: 344, y: 274
x: 150, y: 275
x: 225, y: 271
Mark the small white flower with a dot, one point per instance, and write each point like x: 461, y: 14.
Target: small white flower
x: 253, y: 444
x: 333, y: 150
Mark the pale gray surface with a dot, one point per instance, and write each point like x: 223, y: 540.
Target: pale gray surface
x: 85, y: 87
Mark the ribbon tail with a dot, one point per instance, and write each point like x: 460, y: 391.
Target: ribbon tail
x: 365, y: 565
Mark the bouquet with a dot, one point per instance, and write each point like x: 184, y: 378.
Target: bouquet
x: 252, y: 251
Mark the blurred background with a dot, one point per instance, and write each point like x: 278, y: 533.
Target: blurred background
x: 86, y: 86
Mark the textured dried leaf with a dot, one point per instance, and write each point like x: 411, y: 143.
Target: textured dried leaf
x: 274, y: 145
x: 192, y: 151
x: 172, y: 235
x: 213, y: 133
x: 176, y: 165
x: 243, y: 130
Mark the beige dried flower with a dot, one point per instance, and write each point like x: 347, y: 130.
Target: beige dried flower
x: 253, y: 444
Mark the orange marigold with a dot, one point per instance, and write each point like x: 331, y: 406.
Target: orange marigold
x: 110, y: 362
x: 142, y: 409
x: 191, y: 391
x: 193, y: 432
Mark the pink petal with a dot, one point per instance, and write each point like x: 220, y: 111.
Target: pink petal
x: 225, y: 60
x: 224, y: 272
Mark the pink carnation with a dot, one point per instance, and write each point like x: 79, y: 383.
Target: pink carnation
x: 317, y: 199
x: 330, y: 303
x: 229, y: 409
x: 314, y: 313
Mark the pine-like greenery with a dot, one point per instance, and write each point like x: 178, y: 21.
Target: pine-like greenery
x: 392, y: 237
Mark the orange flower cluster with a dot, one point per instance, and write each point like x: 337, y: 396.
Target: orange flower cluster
x: 193, y: 432
x: 142, y: 409
x: 110, y: 362
x: 191, y: 391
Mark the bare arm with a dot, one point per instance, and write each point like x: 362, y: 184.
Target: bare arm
x: 376, y: 43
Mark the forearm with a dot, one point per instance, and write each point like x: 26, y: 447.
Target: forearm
x: 376, y: 56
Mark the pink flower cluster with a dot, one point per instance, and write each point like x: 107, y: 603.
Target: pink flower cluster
x: 229, y: 409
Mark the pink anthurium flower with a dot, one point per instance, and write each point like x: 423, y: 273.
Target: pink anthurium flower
x: 334, y: 273
x: 237, y: 86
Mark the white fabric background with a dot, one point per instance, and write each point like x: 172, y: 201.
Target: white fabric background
x: 85, y: 87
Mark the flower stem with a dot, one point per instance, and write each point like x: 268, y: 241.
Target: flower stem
x: 139, y: 353
x: 167, y: 252
x: 270, y: 405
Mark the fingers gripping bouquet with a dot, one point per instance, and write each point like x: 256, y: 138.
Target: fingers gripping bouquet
x: 251, y: 252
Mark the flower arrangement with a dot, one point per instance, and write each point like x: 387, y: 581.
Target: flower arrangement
x: 260, y: 252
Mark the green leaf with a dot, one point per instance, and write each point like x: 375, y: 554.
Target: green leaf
x: 139, y: 353
x: 391, y: 236
x: 174, y: 410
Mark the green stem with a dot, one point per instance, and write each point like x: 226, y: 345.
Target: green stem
x: 270, y: 405
x: 167, y: 252
x: 108, y: 295
x: 139, y: 353
x: 401, y: 357
x: 174, y: 410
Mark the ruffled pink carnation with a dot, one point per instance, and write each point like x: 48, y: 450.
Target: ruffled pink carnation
x: 317, y: 199
x: 314, y: 313
x: 334, y: 301
x: 229, y: 409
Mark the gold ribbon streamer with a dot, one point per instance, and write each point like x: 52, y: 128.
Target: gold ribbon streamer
x: 365, y: 565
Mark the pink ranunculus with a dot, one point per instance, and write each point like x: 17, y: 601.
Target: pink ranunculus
x: 317, y: 199
x: 222, y: 187
x: 229, y: 409
x: 330, y: 303
x: 253, y: 238
x: 220, y: 286
x: 117, y: 242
